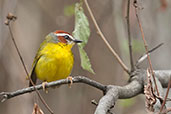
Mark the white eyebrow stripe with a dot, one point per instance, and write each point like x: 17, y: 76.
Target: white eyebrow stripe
x: 63, y: 34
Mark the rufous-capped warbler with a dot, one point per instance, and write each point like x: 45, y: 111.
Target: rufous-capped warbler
x: 54, y: 59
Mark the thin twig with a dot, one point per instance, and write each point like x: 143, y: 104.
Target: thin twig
x: 7, y: 22
x: 153, y: 49
x: 143, y: 57
x: 145, y: 45
x: 165, y: 98
x: 18, y: 52
x: 104, y: 39
x: 129, y: 37
x: 76, y: 79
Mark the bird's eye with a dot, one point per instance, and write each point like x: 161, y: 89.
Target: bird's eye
x: 66, y: 37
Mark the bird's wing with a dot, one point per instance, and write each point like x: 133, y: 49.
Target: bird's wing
x: 33, y: 74
x: 36, y: 59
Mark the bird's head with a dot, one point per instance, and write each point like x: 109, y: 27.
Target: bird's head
x: 63, y: 37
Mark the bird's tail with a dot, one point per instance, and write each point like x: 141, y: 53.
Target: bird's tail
x: 33, y: 77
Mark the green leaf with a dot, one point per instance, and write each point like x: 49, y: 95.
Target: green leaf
x: 82, y: 32
x: 85, y: 62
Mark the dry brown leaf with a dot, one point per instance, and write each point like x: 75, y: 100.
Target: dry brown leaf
x: 149, y: 93
x: 37, y: 110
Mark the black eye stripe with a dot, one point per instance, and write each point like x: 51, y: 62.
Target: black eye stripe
x: 66, y: 37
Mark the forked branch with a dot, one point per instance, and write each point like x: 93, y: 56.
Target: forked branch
x: 111, y: 92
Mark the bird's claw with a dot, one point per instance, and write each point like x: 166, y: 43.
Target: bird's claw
x: 44, y: 87
x: 69, y: 78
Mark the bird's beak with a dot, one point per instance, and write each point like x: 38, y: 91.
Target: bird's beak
x: 77, y: 41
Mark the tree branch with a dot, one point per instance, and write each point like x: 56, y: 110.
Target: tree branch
x: 130, y: 90
x: 78, y: 79
x: 107, y: 101
x: 112, y: 92
x: 116, y: 92
x: 163, y: 76
x: 129, y: 37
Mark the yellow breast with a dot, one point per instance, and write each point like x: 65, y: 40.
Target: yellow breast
x: 56, y: 62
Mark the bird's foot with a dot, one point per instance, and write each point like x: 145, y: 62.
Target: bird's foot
x: 69, y: 78
x: 44, y: 87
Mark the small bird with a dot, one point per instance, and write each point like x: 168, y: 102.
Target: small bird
x: 54, y: 59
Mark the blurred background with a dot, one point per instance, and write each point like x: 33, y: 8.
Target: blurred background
x: 35, y: 19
